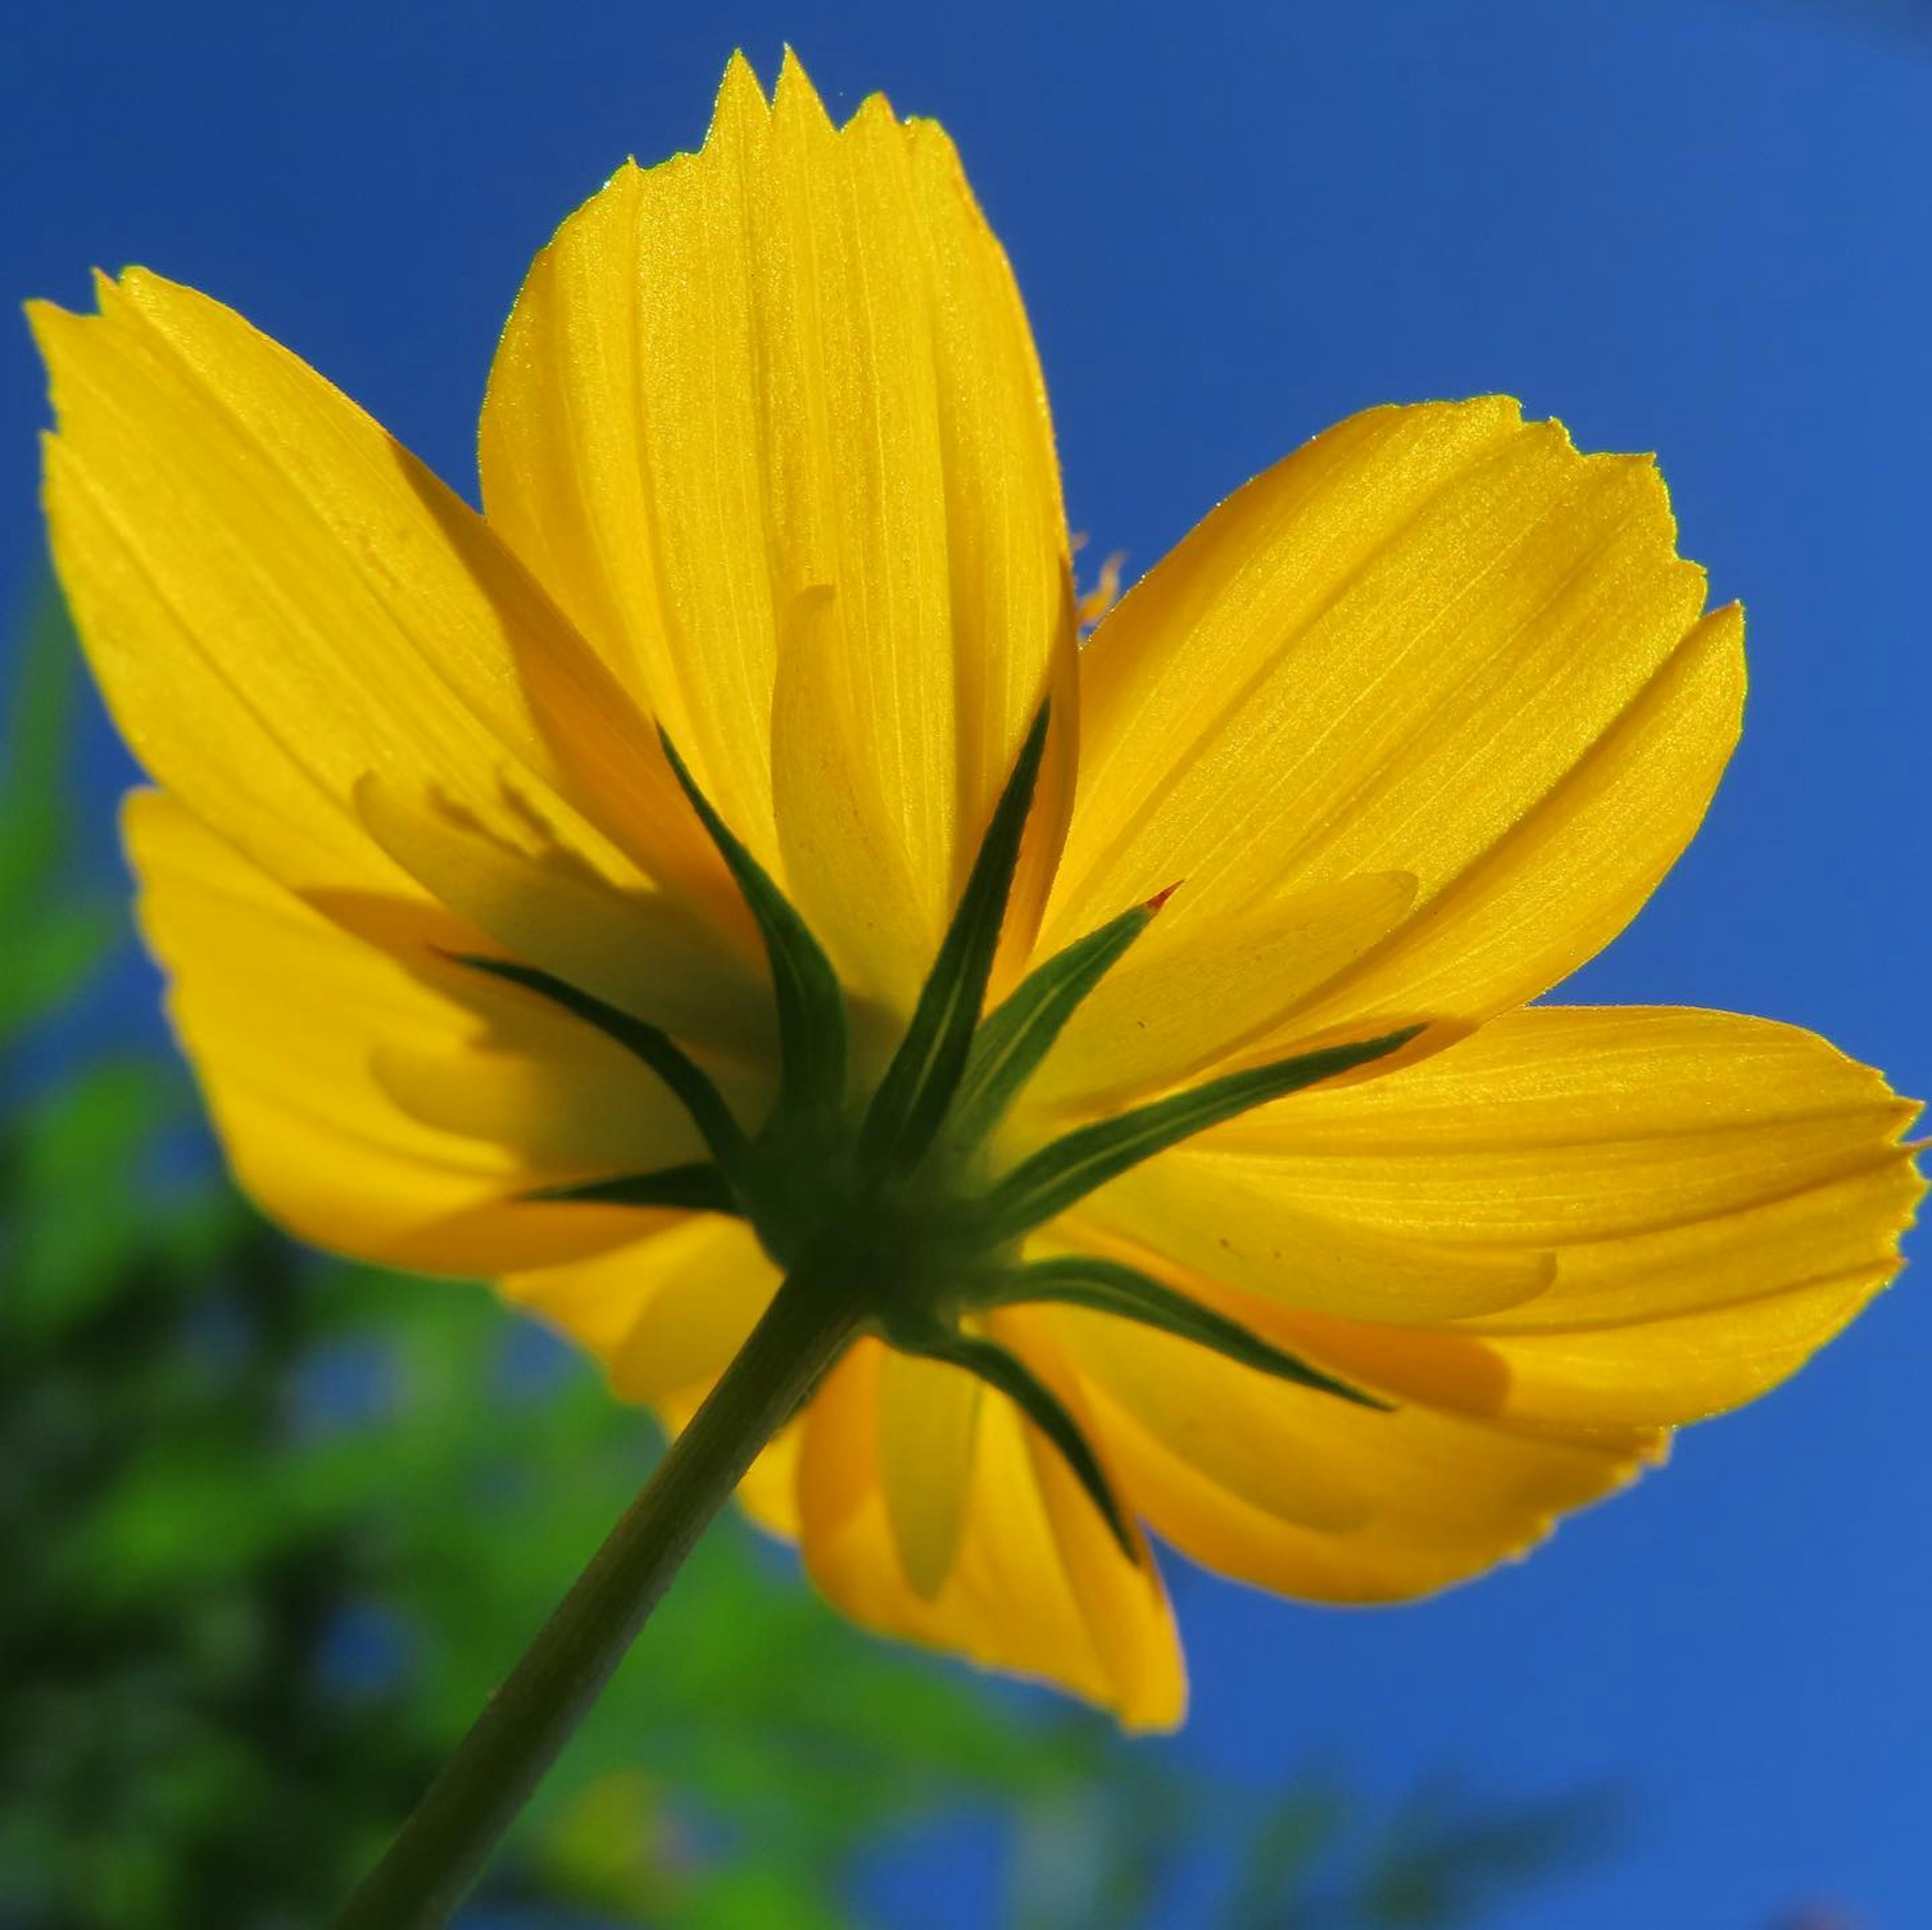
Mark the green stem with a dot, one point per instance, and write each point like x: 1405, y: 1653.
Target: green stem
x: 442, y: 1849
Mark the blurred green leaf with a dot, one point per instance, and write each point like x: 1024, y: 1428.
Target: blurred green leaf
x: 1278, y: 1881
x: 57, y: 931
x: 1445, y: 1861
x: 76, y: 1213
x: 51, y: 960
x: 34, y: 729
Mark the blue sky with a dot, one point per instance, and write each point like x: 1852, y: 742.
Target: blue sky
x: 1697, y: 229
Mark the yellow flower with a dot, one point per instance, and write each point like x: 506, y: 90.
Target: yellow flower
x: 1412, y: 723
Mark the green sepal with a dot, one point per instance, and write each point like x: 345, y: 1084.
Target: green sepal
x: 813, y: 1027
x: 1067, y: 1170
x: 687, y: 1081
x: 1009, y: 1375
x: 700, y: 1187
x: 1107, y: 1286
x: 1018, y: 1034
x: 912, y: 1098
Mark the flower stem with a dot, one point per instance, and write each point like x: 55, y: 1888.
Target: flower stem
x: 442, y: 1849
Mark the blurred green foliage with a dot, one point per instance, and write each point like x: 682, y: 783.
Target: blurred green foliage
x: 51, y: 931
x: 274, y: 1525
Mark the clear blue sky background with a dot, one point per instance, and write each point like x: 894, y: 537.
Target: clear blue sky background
x: 1698, y: 228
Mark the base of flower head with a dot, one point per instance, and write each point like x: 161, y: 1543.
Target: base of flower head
x: 890, y: 1197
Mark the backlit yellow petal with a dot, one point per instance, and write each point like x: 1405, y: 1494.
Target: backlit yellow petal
x: 1661, y: 1371
x: 1230, y: 1220
x: 511, y: 875
x: 1177, y: 1006
x: 1124, y: 1606
x: 1575, y: 867
x: 1440, y: 1497
x: 1027, y: 1583
x: 665, y: 1313
x: 285, y: 1016
x: 929, y: 1420
x: 1562, y: 1125
x: 1721, y: 1195
x: 278, y: 598
x: 1233, y: 1438
x: 1436, y: 640
x: 770, y: 415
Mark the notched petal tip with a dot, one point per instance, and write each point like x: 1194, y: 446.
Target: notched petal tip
x: 62, y: 335
x: 45, y: 319
x: 795, y: 100
x: 740, y: 93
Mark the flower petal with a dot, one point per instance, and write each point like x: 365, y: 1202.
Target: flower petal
x: 1230, y: 1221
x: 278, y: 598
x: 1174, y: 1007
x: 927, y: 1423
x: 1228, y: 1439
x: 1721, y: 1193
x: 1124, y: 1606
x: 285, y: 1016
x: 1037, y: 1585
x: 665, y: 1314
x: 1437, y: 640
x: 768, y: 415
x: 511, y: 875
x: 1440, y: 1497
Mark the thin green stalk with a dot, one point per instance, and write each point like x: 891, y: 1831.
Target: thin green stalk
x: 442, y: 1848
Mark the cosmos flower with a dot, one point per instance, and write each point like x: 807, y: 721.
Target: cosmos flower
x: 563, y: 894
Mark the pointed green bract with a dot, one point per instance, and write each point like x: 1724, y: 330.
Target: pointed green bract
x: 699, y: 1187
x: 912, y: 1098
x: 687, y: 1081
x: 1107, y: 1286
x: 812, y: 1023
x: 1011, y: 1377
x: 1009, y: 1046
x: 1067, y: 1170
